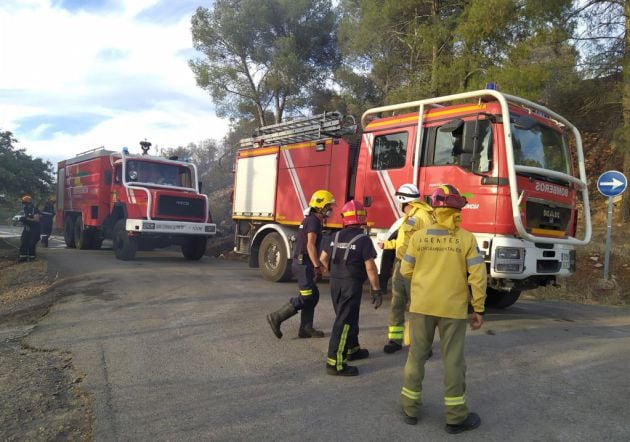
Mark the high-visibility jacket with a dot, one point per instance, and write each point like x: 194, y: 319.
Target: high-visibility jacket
x: 441, y: 262
x: 418, y: 218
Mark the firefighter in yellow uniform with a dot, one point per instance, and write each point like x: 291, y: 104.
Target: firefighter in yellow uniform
x: 442, y: 261
x: 417, y: 216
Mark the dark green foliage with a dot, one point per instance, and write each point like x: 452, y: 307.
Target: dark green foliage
x: 21, y: 174
x: 263, y: 55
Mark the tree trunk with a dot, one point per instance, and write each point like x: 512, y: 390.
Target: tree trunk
x: 434, y: 52
x: 625, y: 138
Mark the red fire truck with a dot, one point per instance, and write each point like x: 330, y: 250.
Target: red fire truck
x: 140, y: 202
x: 521, y: 165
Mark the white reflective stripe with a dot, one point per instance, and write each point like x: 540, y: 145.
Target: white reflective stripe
x: 131, y: 195
x: 437, y: 232
x: 455, y: 400
x: 295, y: 180
x: 474, y: 261
x: 413, y: 395
x: 410, y: 259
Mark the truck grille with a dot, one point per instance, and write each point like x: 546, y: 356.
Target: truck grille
x: 544, y: 216
x: 181, y: 207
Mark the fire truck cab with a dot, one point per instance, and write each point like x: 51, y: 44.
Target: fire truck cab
x: 520, y: 164
x: 140, y: 202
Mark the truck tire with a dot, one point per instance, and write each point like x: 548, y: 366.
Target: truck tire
x: 501, y: 298
x: 274, y: 263
x: 68, y: 232
x: 82, y: 237
x: 124, y: 246
x: 195, y: 247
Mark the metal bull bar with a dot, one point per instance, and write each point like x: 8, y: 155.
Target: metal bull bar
x: 503, y: 99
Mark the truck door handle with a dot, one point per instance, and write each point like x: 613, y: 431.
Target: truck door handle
x: 367, y: 201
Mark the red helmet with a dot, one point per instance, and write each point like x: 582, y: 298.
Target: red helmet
x: 27, y: 199
x: 447, y: 196
x: 353, y: 213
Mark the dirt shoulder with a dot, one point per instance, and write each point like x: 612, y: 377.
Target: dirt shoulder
x: 40, y: 389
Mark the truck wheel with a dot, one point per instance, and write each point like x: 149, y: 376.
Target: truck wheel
x: 273, y: 260
x: 501, y: 298
x: 194, y: 248
x: 68, y: 232
x: 82, y: 237
x: 124, y: 246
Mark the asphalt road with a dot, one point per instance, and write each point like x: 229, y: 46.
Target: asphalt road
x: 178, y: 350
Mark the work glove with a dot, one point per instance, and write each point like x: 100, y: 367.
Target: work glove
x: 377, y: 298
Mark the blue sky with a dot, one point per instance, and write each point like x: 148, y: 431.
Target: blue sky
x: 78, y: 74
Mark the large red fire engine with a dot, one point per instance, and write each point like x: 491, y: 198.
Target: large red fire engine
x: 141, y: 202
x: 521, y: 165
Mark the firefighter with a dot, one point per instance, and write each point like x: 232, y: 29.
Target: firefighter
x: 442, y: 261
x: 416, y: 216
x: 306, y: 268
x: 30, y: 233
x: 46, y: 220
x: 349, y: 258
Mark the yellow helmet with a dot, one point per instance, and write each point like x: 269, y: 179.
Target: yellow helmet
x: 321, y: 198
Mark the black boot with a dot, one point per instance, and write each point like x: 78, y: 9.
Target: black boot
x: 306, y: 325
x: 346, y: 370
x: 310, y: 332
x: 392, y: 347
x: 471, y: 422
x: 276, y: 318
x: 361, y: 353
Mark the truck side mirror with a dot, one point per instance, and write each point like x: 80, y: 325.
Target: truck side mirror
x: 200, y: 186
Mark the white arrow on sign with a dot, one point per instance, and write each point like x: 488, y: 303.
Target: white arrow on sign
x: 613, y: 184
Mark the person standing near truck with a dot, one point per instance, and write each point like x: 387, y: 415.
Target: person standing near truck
x: 47, y: 214
x: 30, y: 232
x: 442, y: 261
x: 306, y: 268
x: 416, y: 216
x: 349, y: 258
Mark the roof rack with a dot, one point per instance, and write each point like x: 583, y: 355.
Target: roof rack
x: 328, y: 124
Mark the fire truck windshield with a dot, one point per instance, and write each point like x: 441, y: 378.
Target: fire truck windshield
x: 540, y: 146
x: 149, y: 172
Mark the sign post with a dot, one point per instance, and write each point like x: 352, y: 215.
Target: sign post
x: 610, y: 184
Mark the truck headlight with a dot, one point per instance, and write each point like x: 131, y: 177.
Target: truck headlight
x: 509, y: 252
x: 509, y: 260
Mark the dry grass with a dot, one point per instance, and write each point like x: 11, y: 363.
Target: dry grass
x: 20, y: 282
x: 587, y: 285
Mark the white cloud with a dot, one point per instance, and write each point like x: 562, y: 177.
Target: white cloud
x: 72, y: 79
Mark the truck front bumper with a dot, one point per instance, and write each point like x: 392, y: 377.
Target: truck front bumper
x: 170, y: 227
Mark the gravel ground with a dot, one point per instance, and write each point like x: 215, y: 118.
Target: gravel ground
x: 40, y: 389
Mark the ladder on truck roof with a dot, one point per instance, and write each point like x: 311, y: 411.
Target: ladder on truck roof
x: 328, y: 124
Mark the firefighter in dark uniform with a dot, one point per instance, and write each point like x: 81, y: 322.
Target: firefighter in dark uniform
x: 30, y: 233
x: 443, y: 261
x: 307, y: 268
x: 349, y: 258
x: 46, y: 221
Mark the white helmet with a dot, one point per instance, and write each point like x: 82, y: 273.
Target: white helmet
x: 407, y: 193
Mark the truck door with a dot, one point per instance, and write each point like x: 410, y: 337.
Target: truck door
x: 460, y: 152
x: 385, y: 163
